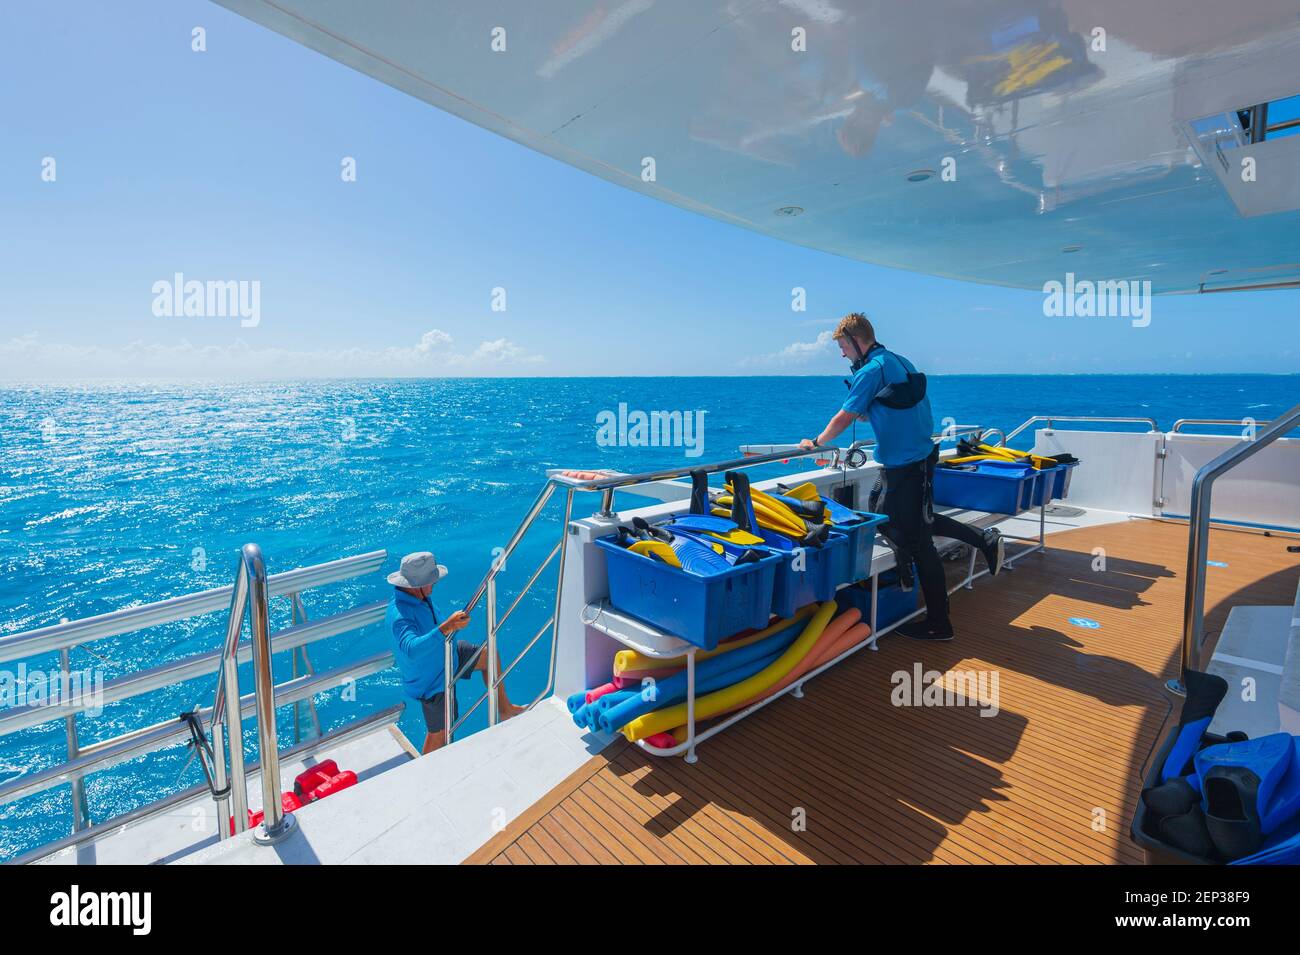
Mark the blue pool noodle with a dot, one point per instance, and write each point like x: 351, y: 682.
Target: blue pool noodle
x: 672, y: 689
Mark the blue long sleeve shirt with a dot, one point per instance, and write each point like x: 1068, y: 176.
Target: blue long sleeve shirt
x: 418, y: 644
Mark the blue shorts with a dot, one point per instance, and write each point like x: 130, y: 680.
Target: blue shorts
x: 435, y: 715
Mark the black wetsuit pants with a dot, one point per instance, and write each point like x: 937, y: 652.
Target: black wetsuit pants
x: 908, y: 503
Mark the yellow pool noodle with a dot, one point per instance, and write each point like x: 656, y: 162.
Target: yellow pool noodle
x: 711, y: 704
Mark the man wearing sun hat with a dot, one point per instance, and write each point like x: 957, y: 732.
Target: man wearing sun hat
x: 419, y: 640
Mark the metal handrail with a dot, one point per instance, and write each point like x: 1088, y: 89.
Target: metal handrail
x: 1225, y: 422
x: 1052, y: 419
x: 149, y: 739
x: 291, y: 639
x: 1199, y: 534
x: 84, y: 759
x: 59, y: 636
x: 91, y: 834
x: 249, y: 592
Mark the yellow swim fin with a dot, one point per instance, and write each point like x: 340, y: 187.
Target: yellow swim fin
x: 659, y: 549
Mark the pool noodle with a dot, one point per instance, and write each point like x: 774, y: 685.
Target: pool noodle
x: 823, y: 652
x: 706, y: 706
x: 710, y: 675
x: 631, y: 660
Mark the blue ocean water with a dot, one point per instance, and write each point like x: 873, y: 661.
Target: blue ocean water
x: 118, y: 494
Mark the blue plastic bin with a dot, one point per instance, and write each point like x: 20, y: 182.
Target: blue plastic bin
x: 701, y: 610
x: 1061, y: 490
x: 1045, y: 486
x: 895, y: 602
x: 862, y: 543
x: 824, y: 569
x: 994, y: 487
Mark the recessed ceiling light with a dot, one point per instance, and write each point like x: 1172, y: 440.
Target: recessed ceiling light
x: 919, y: 175
x: 1072, y: 248
x: 790, y: 211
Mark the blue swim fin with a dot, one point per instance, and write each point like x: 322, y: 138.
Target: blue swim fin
x: 1247, y: 791
x: 698, y: 557
x: 1205, y: 692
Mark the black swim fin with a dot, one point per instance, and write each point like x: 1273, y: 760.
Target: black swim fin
x: 699, y: 492
x: 742, y: 504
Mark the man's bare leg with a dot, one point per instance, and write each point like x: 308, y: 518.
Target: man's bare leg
x: 434, y: 741
x: 505, y: 709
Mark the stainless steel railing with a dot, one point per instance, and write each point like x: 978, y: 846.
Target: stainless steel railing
x: 148, y: 739
x: 1224, y: 422
x: 1199, y: 534
x: 79, y: 632
x: 93, y: 833
x: 249, y: 594
x: 1052, y: 419
x: 85, y: 759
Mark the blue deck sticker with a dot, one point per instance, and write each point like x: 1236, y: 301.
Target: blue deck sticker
x: 1216, y: 563
x: 1085, y: 623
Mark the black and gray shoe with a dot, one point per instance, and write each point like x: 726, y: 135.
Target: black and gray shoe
x: 923, y: 629
x: 994, y: 550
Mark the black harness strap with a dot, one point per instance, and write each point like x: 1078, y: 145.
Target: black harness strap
x: 200, y: 746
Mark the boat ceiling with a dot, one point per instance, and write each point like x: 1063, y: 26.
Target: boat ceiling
x: 1050, y: 147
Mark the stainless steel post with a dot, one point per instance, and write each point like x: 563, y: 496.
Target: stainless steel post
x: 234, y: 722
x: 219, y: 780
x: 80, y: 812
x: 276, y: 824
x: 493, y: 664
x: 449, y: 664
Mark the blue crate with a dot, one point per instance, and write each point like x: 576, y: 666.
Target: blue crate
x: 824, y: 569
x: 700, y: 610
x: 862, y: 543
x: 1045, y: 486
x: 1061, y: 488
x: 895, y: 602
x: 995, y: 487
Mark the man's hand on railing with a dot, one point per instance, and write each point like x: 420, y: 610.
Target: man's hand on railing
x: 455, y: 623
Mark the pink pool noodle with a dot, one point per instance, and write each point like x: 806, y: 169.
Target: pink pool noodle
x: 661, y: 741
x: 598, y: 692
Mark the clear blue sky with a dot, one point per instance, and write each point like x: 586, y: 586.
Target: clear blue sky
x: 226, y: 165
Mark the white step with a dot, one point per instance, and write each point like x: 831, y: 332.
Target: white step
x: 436, y: 809
x: 1252, y: 656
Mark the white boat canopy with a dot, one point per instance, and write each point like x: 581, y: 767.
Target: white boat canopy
x: 1004, y: 141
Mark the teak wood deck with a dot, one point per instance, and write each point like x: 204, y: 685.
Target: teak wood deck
x: 844, y: 776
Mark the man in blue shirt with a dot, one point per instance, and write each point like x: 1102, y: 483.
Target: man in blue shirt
x: 419, y: 645
x: 890, y: 394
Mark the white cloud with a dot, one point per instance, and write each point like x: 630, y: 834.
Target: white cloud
x: 433, y: 341
x: 503, y: 352
x: 797, y: 353
x: 30, y: 357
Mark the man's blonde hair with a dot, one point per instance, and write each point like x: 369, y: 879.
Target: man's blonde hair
x: 857, y: 325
